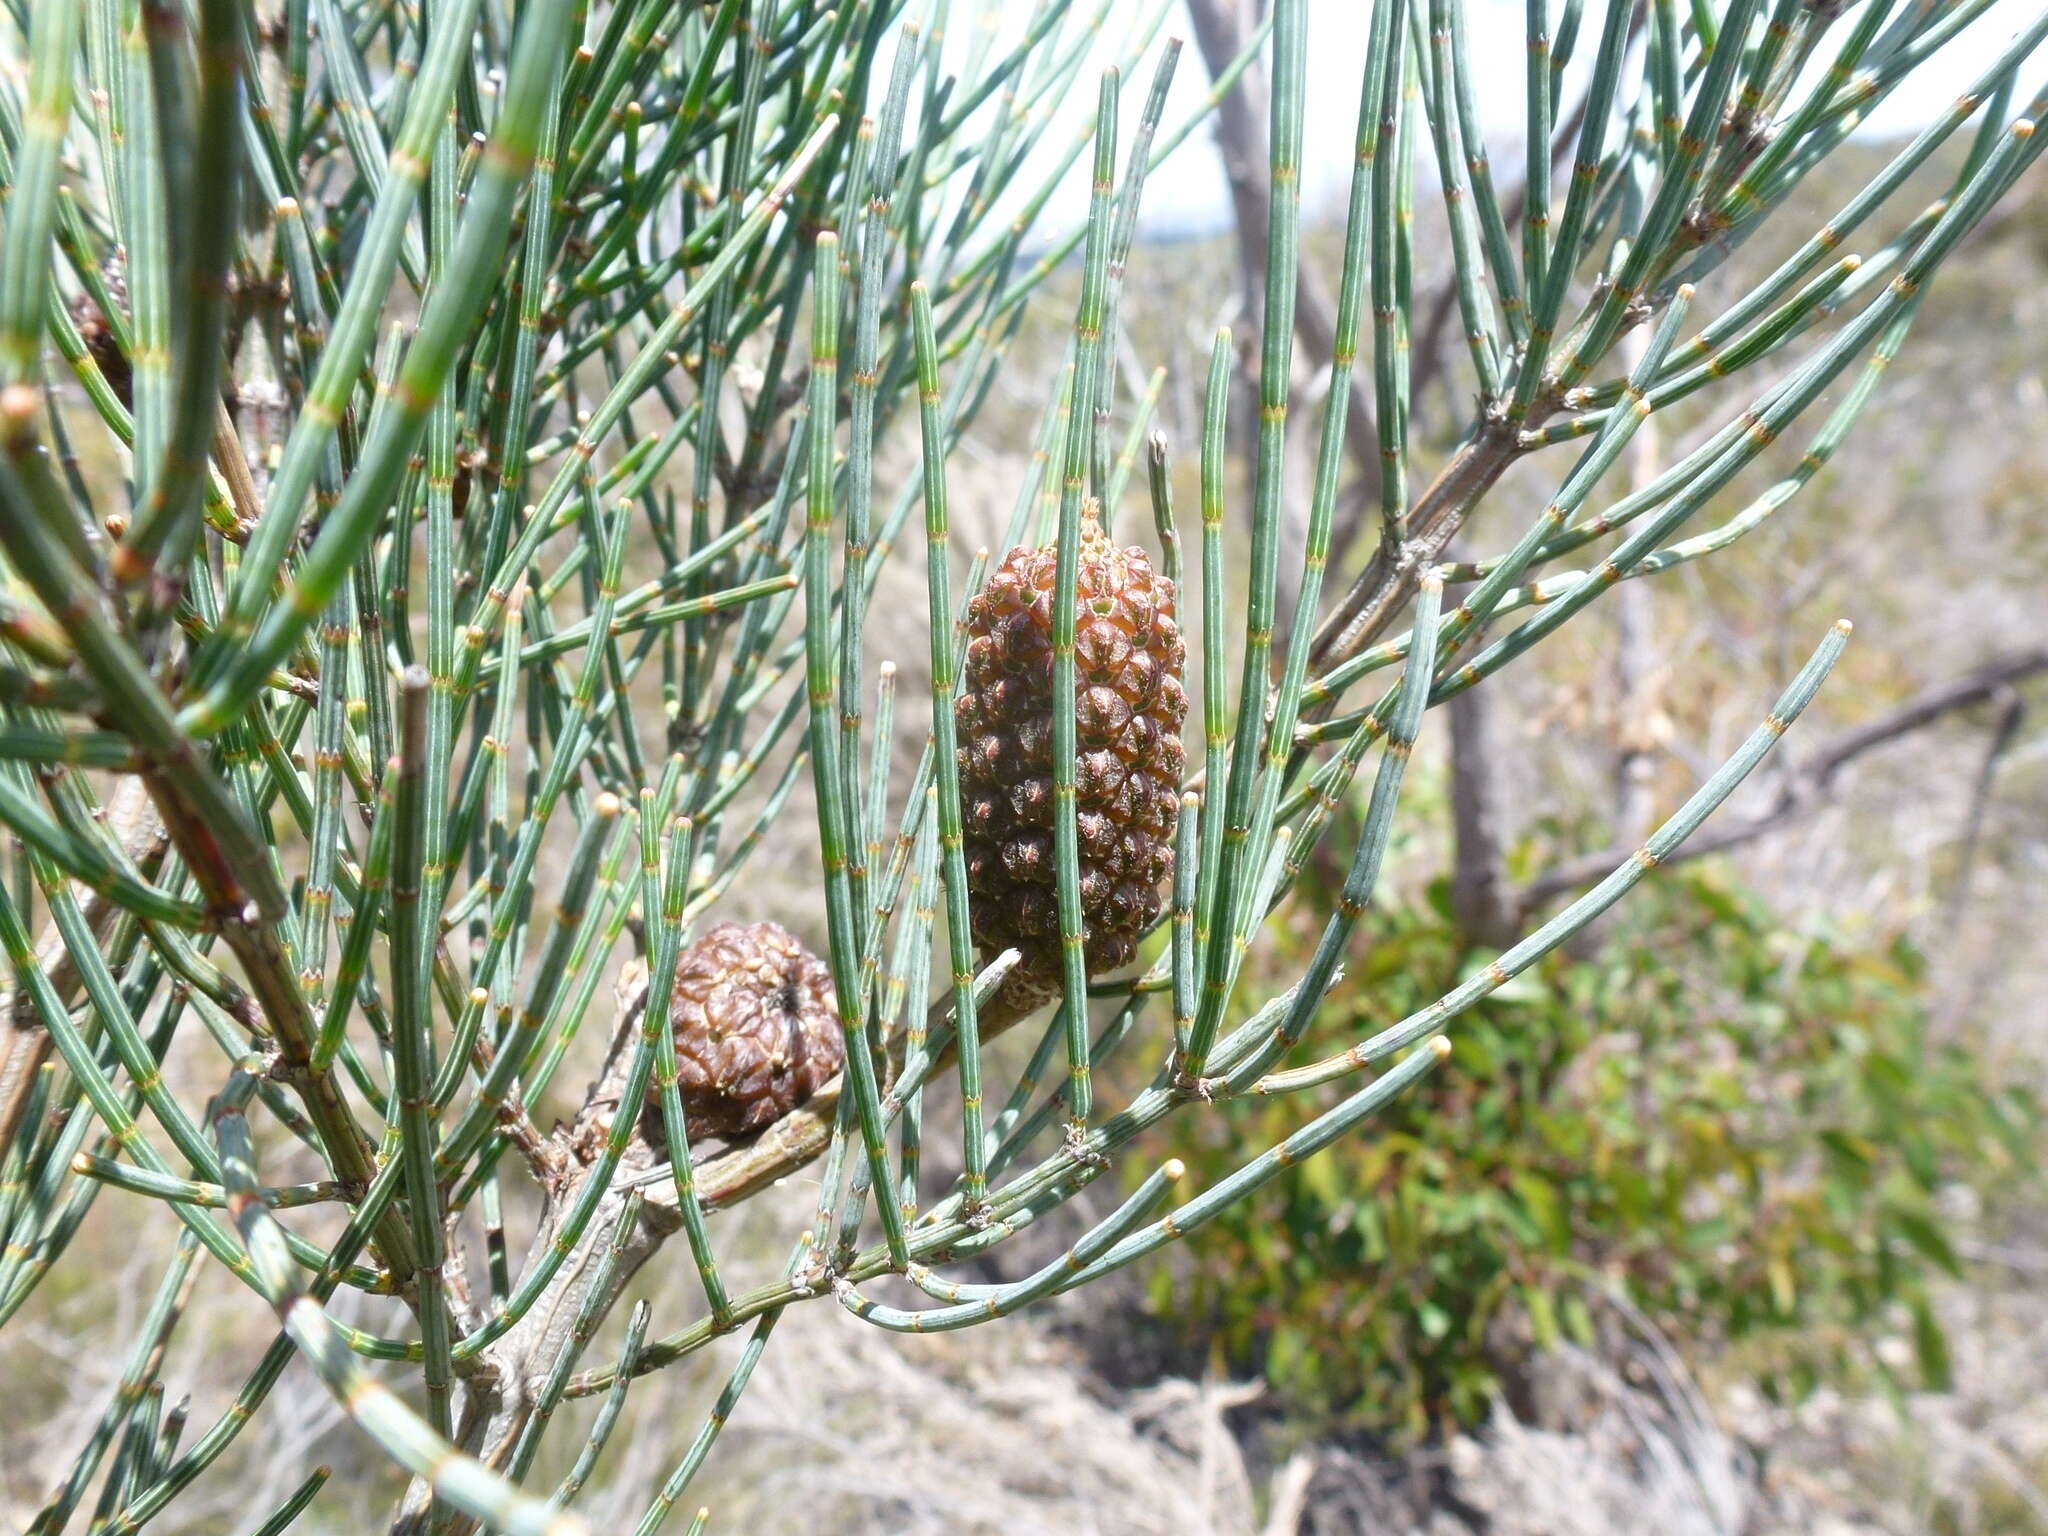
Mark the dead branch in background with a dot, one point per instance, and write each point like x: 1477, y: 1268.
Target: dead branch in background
x: 1811, y: 784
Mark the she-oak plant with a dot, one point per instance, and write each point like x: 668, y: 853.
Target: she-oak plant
x: 412, y: 327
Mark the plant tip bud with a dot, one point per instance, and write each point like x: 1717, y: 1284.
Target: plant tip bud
x: 18, y: 404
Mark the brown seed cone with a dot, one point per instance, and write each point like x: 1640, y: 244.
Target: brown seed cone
x: 756, y: 1030
x: 1129, y: 705
x: 98, y: 336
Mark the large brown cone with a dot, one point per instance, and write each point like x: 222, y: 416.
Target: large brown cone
x: 1128, y: 756
x: 756, y: 1030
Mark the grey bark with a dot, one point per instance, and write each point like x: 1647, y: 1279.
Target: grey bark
x: 1479, y: 894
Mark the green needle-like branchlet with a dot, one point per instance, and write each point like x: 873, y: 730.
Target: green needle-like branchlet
x: 837, y: 822
x: 939, y: 618
x: 464, y: 1482
x: 1088, y: 344
x: 412, y: 1042
x: 32, y: 189
x: 667, y: 896
x: 1237, y: 860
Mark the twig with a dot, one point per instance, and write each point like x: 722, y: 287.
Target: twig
x: 1809, y: 785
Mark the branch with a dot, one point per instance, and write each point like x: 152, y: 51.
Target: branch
x: 1812, y: 784
x: 2005, y: 728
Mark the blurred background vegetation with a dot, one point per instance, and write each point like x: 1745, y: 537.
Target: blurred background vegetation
x: 1751, y: 1144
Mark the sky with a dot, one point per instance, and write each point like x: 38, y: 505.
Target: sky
x: 1187, y: 192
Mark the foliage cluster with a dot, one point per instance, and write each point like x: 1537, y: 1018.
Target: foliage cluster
x: 1744, y: 1130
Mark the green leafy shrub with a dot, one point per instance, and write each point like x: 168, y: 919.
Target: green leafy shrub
x: 1742, y: 1127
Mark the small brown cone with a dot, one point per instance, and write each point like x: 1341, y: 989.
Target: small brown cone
x: 756, y: 1030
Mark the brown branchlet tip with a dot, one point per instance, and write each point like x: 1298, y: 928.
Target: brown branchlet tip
x: 1128, y: 709
x: 756, y: 1031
